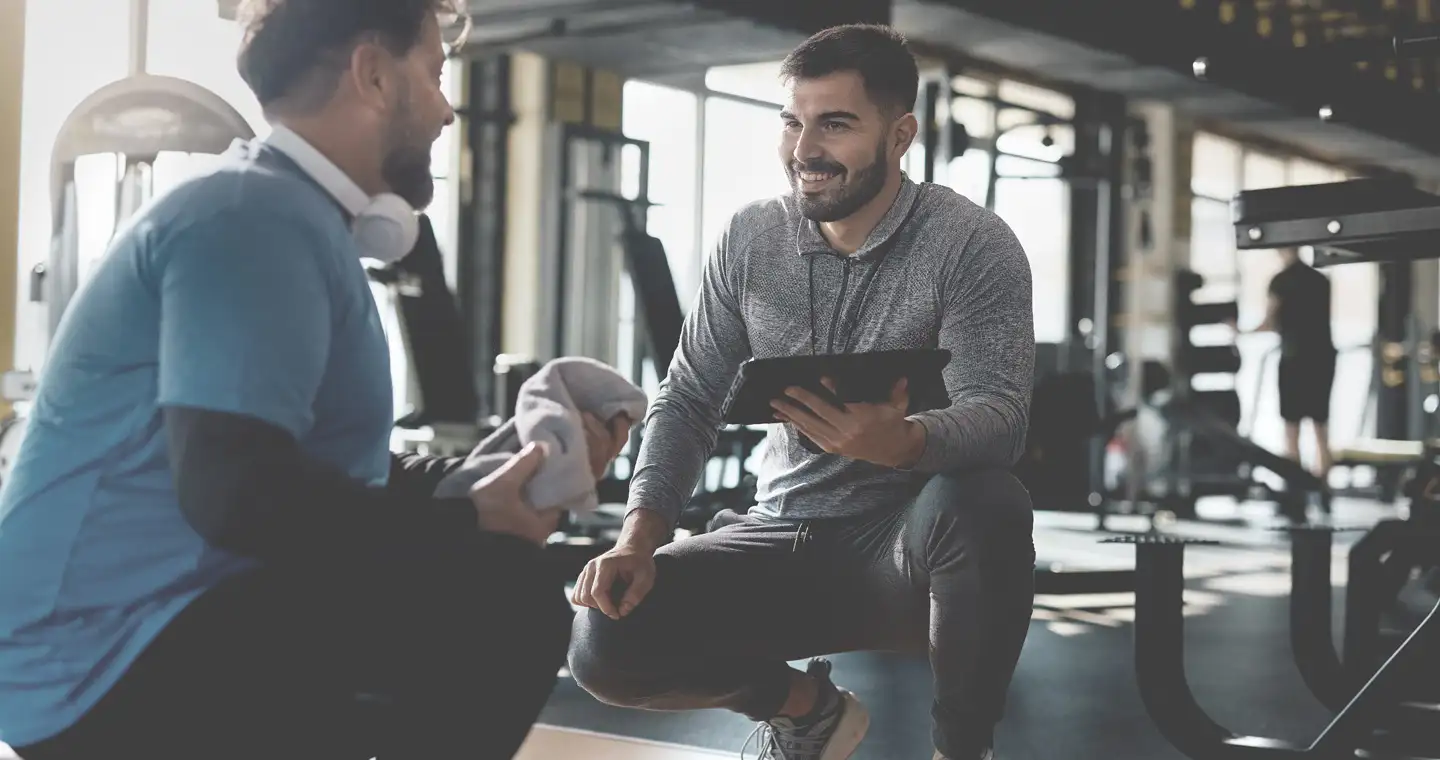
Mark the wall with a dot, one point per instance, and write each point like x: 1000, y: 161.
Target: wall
x: 12, y: 79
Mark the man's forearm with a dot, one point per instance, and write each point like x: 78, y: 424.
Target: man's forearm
x: 971, y: 434
x: 678, y: 439
x: 247, y: 487
x: 416, y: 476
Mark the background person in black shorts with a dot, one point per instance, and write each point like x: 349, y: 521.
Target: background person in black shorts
x: 1299, y: 310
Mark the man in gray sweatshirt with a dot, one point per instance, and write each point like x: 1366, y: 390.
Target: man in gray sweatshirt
x: 874, y: 529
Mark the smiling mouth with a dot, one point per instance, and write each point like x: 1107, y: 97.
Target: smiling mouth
x: 815, y: 180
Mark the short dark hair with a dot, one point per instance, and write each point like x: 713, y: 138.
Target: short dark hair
x: 879, y: 54
x: 296, y: 49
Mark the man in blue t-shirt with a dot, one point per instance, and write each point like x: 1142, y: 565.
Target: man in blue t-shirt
x: 206, y: 547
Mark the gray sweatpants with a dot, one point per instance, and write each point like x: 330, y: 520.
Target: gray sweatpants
x: 951, y: 574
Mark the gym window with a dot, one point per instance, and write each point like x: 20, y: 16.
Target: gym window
x: 1220, y: 168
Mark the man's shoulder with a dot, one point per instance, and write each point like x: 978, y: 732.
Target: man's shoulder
x: 945, y: 207
x: 767, y: 217
x: 236, y: 192
x: 967, y: 227
x: 237, y: 201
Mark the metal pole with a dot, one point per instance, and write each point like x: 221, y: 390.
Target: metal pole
x: 139, y: 35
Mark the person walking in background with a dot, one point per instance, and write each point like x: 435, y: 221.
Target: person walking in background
x: 1298, y: 311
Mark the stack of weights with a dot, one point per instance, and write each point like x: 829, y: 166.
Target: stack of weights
x: 1206, y: 362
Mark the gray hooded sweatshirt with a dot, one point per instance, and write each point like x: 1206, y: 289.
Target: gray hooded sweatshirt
x: 937, y: 271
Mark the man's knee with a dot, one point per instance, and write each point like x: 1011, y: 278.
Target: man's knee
x: 604, y: 659
x: 983, y: 506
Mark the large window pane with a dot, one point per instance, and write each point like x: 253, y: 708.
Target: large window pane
x: 189, y: 40
x: 976, y: 115
x: 1039, y: 213
x: 1215, y: 167
x: 1038, y: 142
x: 760, y: 81
x: 1304, y: 172
x: 1038, y: 98
x: 969, y: 175
x: 1262, y: 171
x: 742, y: 161
x: 95, y: 203
x: 1212, y: 250
x: 666, y: 119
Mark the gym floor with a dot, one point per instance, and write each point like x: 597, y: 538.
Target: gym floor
x: 1074, y: 694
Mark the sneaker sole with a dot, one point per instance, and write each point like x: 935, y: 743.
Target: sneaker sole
x: 854, y: 723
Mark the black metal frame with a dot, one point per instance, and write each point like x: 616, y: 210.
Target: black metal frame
x: 1311, y: 640
x: 1406, y: 234
x: 1160, y: 670
x: 1379, y: 565
x: 480, y: 266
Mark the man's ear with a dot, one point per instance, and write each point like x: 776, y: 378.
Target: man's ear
x: 906, y: 127
x: 370, y: 72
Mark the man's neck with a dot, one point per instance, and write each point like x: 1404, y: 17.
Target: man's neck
x: 849, y: 234
x: 339, y: 149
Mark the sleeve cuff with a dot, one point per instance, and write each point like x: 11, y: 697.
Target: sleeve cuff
x: 671, y: 517
x: 932, y: 456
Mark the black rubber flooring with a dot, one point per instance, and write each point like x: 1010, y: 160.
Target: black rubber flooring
x: 1074, y: 695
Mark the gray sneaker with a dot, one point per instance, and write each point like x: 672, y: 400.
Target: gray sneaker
x: 833, y: 733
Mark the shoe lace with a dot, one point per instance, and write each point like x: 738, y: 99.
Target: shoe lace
x: 766, y: 747
x: 779, y: 744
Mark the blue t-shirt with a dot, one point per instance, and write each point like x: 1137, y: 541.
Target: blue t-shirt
x: 240, y: 291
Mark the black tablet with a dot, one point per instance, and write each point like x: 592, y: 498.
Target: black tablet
x: 859, y: 378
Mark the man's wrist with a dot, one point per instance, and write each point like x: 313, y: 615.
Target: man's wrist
x: 912, y: 447
x: 644, y: 529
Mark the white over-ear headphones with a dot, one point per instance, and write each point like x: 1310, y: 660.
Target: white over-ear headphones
x: 385, y: 227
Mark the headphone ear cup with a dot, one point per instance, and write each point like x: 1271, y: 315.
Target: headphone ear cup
x: 387, y: 229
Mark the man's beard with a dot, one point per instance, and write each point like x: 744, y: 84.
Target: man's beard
x: 406, y: 166
x: 833, y: 205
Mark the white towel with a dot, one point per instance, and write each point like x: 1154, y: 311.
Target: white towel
x: 549, y: 410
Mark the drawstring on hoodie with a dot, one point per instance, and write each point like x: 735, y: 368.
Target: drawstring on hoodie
x: 862, y: 292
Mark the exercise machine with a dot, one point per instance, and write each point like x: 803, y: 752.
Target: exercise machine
x: 1391, y: 585
x: 1377, y: 689
x: 1298, y: 487
x: 1381, y: 690
x: 1201, y: 464
x: 445, y: 418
